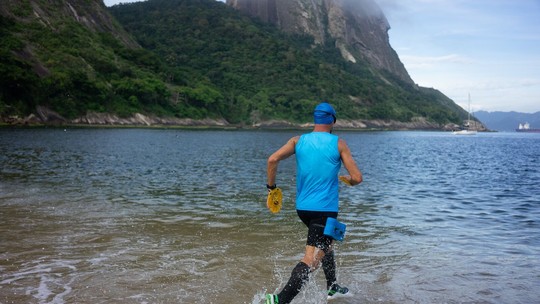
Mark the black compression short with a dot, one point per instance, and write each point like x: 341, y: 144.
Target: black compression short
x: 315, y: 221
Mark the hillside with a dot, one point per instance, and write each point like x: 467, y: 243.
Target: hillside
x: 195, y: 59
x: 73, y: 57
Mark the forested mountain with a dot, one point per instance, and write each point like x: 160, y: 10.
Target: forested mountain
x: 188, y: 58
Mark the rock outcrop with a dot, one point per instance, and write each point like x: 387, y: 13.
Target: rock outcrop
x: 358, y: 28
x: 138, y: 119
x: 45, y: 116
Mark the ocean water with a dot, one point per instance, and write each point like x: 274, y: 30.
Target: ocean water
x: 178, y: 216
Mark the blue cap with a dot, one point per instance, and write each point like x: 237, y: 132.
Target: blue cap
x: 324, y: 114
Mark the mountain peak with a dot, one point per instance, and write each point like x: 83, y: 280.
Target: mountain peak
x: 359, y: 29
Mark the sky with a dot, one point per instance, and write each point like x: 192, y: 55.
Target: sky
x: 489, y: 49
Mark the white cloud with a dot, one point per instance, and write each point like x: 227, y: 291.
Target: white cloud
x: 485, y: 47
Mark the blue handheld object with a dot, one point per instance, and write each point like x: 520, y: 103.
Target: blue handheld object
x: 334, y: 229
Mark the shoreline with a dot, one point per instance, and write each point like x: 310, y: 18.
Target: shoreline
x: 47, y: 118
x: 229, y: 127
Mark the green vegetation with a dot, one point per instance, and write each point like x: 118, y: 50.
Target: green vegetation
x: 73, y: 69
x: 199, y: 58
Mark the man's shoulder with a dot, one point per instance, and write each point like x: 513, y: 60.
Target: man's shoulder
x: 342, y: 144
x: 294, y: 140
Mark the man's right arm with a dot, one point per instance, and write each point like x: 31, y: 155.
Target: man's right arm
x: 274, y: 159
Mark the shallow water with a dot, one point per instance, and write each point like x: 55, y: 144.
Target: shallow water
x: 176, y: 216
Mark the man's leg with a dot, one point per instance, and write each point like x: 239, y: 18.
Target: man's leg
x: 329, y: 267
x: 300, y: 274
x: 313, y: 256
x: 316, y: 246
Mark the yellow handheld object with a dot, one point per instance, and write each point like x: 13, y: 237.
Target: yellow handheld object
x: 274, y: 201
x: 345, y: 180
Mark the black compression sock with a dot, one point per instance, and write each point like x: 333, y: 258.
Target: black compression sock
x: 329, y: 267
x: 299, y: 276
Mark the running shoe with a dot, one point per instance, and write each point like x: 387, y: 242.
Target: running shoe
x: 271, y: 299
x: 336, y: 291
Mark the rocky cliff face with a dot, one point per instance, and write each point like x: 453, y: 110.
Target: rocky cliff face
x: 358, y: 27
x: 90, y: 13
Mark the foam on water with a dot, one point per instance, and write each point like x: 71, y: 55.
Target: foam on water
x: 45, y: 281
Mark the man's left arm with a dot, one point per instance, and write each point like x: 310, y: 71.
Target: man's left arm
x: 355, y: 176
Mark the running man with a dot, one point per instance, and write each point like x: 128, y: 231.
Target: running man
x: 319, y: 156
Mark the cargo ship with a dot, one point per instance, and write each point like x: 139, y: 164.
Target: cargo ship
x: 526, y: 128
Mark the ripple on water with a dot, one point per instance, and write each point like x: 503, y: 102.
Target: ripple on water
x: 155, y: 216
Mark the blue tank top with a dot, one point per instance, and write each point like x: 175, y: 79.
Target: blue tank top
x: 317, y: 167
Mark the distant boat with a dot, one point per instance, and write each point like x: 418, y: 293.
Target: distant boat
x: 526, y: 128
x: 466, y: 130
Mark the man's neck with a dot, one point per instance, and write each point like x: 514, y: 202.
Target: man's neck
x: 322, y: 128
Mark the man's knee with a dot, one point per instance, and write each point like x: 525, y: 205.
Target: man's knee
x: 313, y: 257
